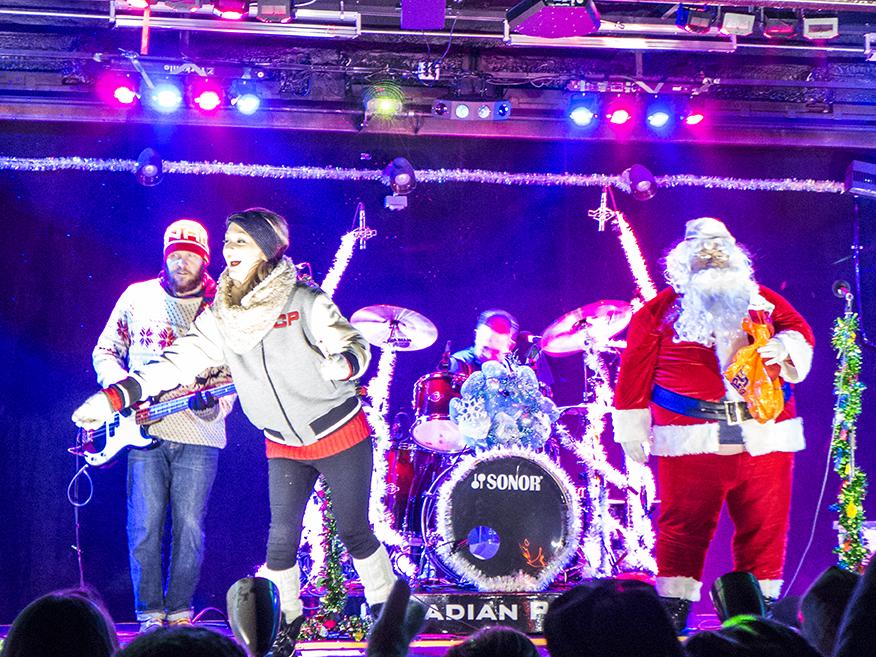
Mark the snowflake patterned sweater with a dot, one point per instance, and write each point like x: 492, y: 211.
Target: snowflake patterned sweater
x: 145, y: 321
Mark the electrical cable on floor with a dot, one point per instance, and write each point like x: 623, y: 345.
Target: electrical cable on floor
x: 197, y: 617
x: 814, y: 521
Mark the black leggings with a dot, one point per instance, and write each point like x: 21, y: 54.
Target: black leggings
x: 290, y: 484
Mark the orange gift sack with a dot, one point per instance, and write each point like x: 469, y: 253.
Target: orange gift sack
x: 749, y: 377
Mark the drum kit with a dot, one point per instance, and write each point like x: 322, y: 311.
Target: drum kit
x: 485, y: 517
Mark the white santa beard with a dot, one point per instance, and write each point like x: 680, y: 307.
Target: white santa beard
x: 712, y: 308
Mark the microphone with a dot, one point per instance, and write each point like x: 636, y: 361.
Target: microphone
x: 400, y: 425
x: 841, y: 289
x: 363, y: 229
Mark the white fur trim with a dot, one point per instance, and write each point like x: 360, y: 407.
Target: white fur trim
x: 686, y: 588
x: 243, y: 326
x: 771, y: 588
x: 786, y: 436
x: 759, y: 302
x: 678, y: 440
x: 631, y: 424
x: 800, y: 353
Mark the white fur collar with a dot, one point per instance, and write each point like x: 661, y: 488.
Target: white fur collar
x: 244, y: 326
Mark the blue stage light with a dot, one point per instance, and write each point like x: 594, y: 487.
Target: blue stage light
x: 582, y: 110
x: 658, y: 118
x: 165, y: 97
x: 662, y: 114
x: 247, y: 104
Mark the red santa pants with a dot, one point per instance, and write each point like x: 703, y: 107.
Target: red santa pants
x: 693, y: 489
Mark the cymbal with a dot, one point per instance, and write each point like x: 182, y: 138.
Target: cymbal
x: 591, y: 325
x: 393, y: 327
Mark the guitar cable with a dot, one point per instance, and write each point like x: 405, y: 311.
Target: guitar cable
x: 74, y: 499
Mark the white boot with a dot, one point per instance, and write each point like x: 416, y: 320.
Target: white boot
x: 376, y: 575
x: 289, y: 584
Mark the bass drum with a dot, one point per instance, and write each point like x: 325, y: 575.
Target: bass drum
x: 503, y: 520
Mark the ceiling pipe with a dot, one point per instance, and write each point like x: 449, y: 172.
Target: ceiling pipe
x: 824, y: 5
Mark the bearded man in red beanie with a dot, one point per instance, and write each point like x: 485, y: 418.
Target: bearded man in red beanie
x: 178, y: 473
x: 673, y: 400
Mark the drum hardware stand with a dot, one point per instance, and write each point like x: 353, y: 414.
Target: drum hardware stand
x: 395, y: 340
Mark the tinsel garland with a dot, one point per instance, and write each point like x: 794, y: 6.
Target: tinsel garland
x: 339, y: 264
x: 637, y: 532
x: 440, y: 176
x: 378, y: 512
x: 635, y: 260
x: 329, y: 620
x: 851, y: 551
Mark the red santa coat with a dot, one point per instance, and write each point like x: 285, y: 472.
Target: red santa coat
x: 653, y: 357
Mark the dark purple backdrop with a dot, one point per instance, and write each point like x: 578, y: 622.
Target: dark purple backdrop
x: 74, y: 241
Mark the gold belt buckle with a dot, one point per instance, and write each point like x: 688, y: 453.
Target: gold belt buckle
x: 733, y: 413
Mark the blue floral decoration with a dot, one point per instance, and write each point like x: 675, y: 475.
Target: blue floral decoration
x: 503, y: 407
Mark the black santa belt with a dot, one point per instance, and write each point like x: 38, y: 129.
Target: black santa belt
x: 729, y: 412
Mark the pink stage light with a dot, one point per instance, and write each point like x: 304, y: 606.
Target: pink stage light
x: 694, y: 118
x: 117, y: 90
x: 619, y: 116
x: 231, y: 9
x: 208, y: 101
x: 206, y: 94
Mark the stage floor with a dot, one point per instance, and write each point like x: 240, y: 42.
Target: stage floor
x: 425, y: 645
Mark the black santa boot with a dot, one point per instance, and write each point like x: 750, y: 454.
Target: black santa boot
x: 287, y: 635
x: 678, y: 609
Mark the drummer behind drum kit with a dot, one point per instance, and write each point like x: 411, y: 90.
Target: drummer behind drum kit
x: 495, y: 503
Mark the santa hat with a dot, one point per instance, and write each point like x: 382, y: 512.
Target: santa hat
x: 186, y: 235
x: 707, y: 228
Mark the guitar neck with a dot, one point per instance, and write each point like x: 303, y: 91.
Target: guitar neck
x: 163, y: 409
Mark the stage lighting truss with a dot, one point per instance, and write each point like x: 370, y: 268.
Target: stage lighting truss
x: 460, y: 109
x: 661, y: 114
x: 308, y: 23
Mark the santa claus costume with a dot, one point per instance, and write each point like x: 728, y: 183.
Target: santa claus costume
x: 673, y: 400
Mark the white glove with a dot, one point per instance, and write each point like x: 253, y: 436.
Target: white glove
x: 635, y: 451
x: 96, y: 411
x: 335, y: 368
x: 773, y: 352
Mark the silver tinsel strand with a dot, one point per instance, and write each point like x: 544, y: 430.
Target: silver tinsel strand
x: 478, y: 176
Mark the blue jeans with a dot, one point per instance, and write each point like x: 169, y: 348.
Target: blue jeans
x: 179, y: 476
